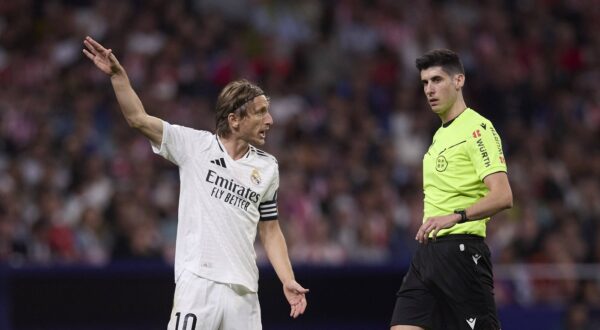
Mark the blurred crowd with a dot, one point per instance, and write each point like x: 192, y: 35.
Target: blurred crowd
x: 78, y: 186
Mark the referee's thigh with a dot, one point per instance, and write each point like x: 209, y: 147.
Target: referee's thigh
x: 465, y: 279
x: 414, y: 303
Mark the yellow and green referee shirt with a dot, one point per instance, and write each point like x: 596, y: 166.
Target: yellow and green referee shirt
x: 463, y: 152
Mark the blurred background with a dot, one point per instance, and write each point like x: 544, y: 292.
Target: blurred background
x: 88, y: 214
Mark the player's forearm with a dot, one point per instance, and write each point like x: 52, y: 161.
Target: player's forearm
x: 277, y: 252
x: 490, y: 204
x: 129, y: 102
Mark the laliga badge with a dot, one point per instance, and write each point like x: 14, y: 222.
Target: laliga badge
x: 255, y: 177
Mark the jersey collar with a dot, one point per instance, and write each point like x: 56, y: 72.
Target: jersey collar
x: 448, y: 123
x: 251, y: 149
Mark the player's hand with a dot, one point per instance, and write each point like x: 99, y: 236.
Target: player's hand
x: 434, y: 224
x: 296, y: 296
x: 103, y: 58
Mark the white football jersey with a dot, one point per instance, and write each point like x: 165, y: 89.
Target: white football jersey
x: 221, y: 201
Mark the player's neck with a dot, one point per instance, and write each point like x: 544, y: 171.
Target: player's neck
x: 235, y: 148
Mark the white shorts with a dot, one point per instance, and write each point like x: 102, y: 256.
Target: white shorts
x: 202, y: 304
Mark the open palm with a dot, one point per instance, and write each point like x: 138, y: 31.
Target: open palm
x: 296, y: 296
x: 103, y: 58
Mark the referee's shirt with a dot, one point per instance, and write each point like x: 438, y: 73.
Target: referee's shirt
x: 463, y: 152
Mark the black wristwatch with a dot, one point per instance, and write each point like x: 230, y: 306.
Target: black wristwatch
x: 463, y: 215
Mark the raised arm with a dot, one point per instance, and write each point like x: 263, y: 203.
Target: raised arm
x: 131, y: 106
x: 276, y: 248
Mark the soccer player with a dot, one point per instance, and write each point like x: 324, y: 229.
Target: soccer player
x: 449, y: 284
x: 228, y: 190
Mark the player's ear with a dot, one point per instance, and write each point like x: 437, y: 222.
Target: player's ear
x: 233, y: 120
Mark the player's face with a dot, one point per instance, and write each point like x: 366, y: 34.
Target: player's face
x: 441, y: 89
x: 256, y: 123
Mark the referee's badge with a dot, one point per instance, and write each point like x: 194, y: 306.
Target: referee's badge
x: 441, y: 164
x: 255, y: 177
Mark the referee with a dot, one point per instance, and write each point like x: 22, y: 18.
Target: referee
x: 450, y: 284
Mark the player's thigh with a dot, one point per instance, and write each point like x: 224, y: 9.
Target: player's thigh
x: 415, y: 304
x: 241, y: 309
x: 196, y: 304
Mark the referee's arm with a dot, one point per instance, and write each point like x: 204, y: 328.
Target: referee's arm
x: 498, y: 198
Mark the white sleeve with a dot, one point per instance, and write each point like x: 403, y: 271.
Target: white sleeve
x: 268, y: 205
x: 179, y: 142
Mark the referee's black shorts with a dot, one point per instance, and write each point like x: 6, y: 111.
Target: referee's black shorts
x: 449, y: 286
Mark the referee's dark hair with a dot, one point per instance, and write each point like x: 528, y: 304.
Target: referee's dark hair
x: 447, y: 59
x: 234, y: 98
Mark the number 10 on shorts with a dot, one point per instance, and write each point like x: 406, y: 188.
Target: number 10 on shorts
x: 188, y: 317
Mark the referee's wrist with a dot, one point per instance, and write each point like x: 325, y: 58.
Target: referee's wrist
x: 462, y: 215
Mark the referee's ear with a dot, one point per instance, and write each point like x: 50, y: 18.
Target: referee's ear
x: 459, y: 81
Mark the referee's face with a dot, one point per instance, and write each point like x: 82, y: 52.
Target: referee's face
x: 441, y: 89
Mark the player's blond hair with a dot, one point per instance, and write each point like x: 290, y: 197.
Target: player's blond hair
x: 234, y: 98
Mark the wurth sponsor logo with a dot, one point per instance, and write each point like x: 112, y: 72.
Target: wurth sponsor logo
x: 484, y: 153
x: 476, y: 133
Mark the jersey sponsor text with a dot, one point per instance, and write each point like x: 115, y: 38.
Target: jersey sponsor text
x: 237, y: 195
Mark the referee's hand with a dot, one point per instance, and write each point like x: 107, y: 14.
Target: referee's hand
x: 296, y: 296
x: 434, y: 224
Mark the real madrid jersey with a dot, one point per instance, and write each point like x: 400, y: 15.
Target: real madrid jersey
x: 463, y: 152
x: 221, y: 201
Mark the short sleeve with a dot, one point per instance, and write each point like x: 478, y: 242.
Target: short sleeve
x: 179, y: 142
x: 268, y: 205
x: 485, y: 150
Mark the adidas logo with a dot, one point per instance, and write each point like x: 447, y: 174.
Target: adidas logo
x: 219, y: 161
x: 471, y: 322
x: 476, y: 258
